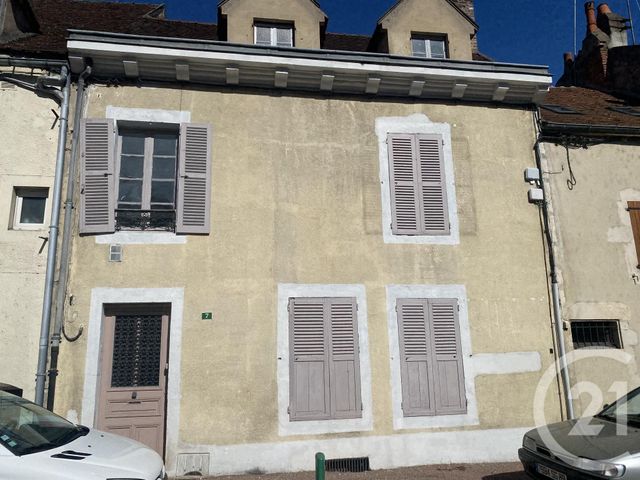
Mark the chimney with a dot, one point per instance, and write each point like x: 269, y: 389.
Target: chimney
x: 590, y: 11
x: 614, y: 25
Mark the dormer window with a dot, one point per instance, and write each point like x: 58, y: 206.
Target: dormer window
x: 273, y: 34
x: 429, y: 46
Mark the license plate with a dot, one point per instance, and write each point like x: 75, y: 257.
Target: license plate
x: 550, y: 473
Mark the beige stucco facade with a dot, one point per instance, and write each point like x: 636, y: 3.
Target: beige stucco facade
x: 305, y: 16
x: 297, y: 199
x: 597, y: 261
x: 27, y: 159
x: 432, y: 17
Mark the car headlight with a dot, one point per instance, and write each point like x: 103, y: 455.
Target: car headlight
x: 529, y: 443
x: 606, y: 469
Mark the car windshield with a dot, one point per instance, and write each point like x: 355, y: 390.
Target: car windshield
x: 27, y: 428
x: 625, y: 410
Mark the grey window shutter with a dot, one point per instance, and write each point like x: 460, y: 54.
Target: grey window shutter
x: 406, y: 218
x: 432, y: 185
x: 97, y: 192
x: 416, y: 361
x: 194, y: 182
x: 344, y: 359
x: 449, y: 372
x: 309, y: 364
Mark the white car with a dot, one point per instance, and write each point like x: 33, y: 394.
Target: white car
x: 37, y: 444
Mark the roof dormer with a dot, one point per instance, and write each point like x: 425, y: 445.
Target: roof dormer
x: 284, y: 23
x: 429, y: 28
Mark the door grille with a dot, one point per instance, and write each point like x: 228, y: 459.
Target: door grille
x: 136, y: 351
x: 360, y: 464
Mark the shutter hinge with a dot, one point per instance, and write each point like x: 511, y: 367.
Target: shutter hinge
x: 289, y: 410
x: 458, y: 307
x: 361, y: 406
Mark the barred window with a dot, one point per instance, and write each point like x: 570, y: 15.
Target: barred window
x: 596, y: 334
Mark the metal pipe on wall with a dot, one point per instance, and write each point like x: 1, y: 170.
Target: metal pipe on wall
x: 56, y: 196
x: 66, y: 242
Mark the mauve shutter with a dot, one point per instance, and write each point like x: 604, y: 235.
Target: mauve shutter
x: 344, y: 359
x: 449, y: 373
x: 406, y: 218
x: 194, y: 182
x: 97, y: 191
x: 634, y: 213
x: 433, y: 196
x: 416, y: 365
x: 309, y: 366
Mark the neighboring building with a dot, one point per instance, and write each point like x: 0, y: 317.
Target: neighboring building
x: 590, y: 140
x: 286, y: 248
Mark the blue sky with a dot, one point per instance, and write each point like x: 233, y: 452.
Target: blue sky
x: 519, y: 31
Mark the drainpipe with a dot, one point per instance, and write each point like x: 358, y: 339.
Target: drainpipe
x: 555, y: 296
x: 66, y: 243
x: 53, y: 239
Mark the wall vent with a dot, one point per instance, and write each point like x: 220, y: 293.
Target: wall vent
x: 115, y: 253
x: 192, y: 464
x: 360, y: 464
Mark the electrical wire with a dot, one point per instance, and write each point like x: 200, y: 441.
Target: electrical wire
x: 571, y: 181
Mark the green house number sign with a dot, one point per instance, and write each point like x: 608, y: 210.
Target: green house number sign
x: 207, y: 316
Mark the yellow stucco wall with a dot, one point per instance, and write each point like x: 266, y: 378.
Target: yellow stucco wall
x: 27, y: 159
x: 305, y: 16
x: 428, y: 17
x: 296, y: 199
x: 597, y: 259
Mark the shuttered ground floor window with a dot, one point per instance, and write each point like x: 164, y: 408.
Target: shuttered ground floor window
x: 431, y: 366
x: 324, y: 359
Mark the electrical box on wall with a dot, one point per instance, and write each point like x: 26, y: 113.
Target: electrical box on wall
x: 531, y: 175
x: 536, y: 195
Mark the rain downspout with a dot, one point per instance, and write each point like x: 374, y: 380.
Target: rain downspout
x: 66, y: 243
x: 555, y: 296
x: 53, y: 239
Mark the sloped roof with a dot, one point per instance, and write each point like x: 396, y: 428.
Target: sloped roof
x: 342, y: 41
x: 593, y: 109
x: 450, y: 2
x: 57, y: 16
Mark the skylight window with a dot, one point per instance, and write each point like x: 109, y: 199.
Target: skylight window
x: 560, y: 109
x: 626, y: 110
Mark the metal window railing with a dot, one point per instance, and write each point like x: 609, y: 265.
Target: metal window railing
x: 164, y: 220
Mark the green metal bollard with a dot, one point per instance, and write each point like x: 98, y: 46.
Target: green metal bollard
x: 319, y: 466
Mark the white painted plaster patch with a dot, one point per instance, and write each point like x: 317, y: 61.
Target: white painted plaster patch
x: 417, y: 123
x: 393, y: 451
x: 481, y: 364
x: 622, y: 233
x: 287, y: 427
x: 148, y: 115
x: 142, y: 238
x: 102, y: 296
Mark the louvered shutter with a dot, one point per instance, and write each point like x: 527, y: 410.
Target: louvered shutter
x: 194, y: 182
x: 309, y: 360
x: 445, y: 344
x: 405, y: 205
x: 634, y: 213
x: 416, y: 363
x: 432, y: 186
x: 97, y: 190
x: 344, y: 359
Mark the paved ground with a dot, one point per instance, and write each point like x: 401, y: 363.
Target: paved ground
x: 493, y: 471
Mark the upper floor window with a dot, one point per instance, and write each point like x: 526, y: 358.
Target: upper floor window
x: 273, y: 34
x: 29, y: 209
x: 429, y: 46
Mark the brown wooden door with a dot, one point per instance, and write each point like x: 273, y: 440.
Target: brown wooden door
x: 134, y: 375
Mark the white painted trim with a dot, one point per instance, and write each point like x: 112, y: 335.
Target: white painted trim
x: 81, y: 47
x: 458, y: 292
x: 148, y: 115
x: 417, y: 123
x: 391, y: 451
x: 481, y: 364
x: 141, y: 238
x: 102, y: 296
x: 287, y: 427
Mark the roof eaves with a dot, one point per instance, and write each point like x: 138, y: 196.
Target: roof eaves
x: 551, y: 129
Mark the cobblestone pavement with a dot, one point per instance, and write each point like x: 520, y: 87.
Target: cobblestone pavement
x: 489, y: 471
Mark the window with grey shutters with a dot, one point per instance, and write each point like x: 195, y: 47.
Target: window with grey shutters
x: 418, y: 185
x: 324, y: 359
x: 431, y: 366
x: 136, y: 178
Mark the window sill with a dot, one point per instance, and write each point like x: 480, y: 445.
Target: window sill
x: 32, y: 228
x: 141, y: 238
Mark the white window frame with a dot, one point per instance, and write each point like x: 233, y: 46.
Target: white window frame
x: 273, y: 28
x: 428, y: 39
x: 416, y: 124
x: 286, y: 426
x: 32, y: 191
